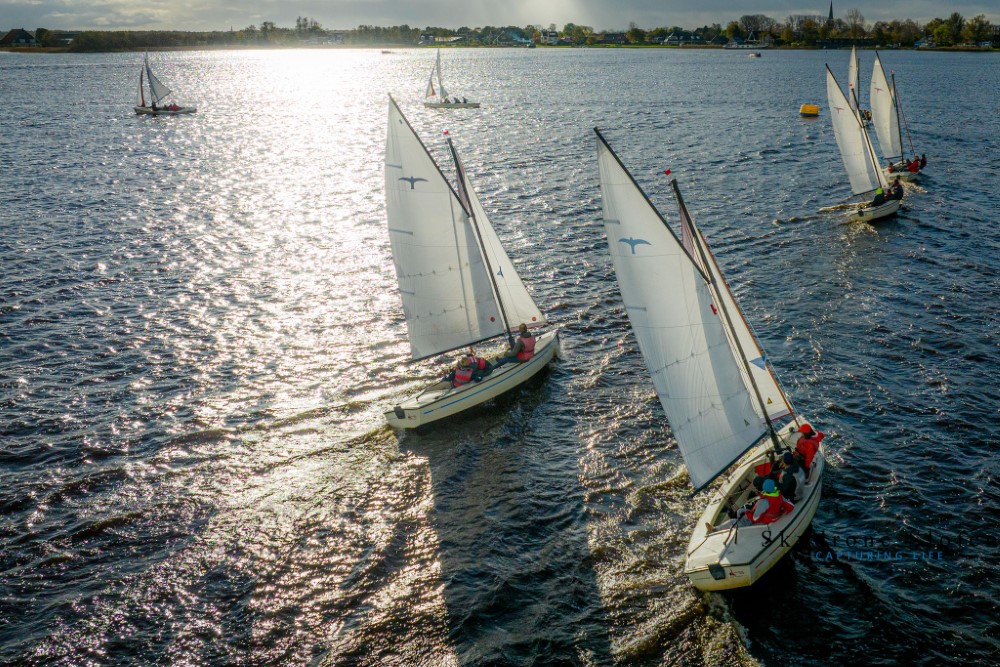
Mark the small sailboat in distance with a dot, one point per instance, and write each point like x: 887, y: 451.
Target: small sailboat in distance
x: 156, y: 105
x: 726, y: 409
x: 457, y: 284
x: 437, y: 98
x: 858, y: 155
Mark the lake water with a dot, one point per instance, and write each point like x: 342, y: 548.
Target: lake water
x: 199, y: 331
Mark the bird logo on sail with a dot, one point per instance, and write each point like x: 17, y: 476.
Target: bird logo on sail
x: 413, y: 180
x: 632, y: 243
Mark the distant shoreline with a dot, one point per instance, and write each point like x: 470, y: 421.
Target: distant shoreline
x: 341, y: 47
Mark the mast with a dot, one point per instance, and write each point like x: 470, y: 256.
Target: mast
x: 441, y: 91
x: 464, y: 197
x: 729, y: 322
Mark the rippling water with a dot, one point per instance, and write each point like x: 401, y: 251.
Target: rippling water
x: 199, y: 331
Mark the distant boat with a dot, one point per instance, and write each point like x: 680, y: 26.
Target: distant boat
x: 858, y: 154
x: 726, y: 409
x: 754, y: 54
x: 889, y: 123
x: 156, y: 104
x: 457, y: 284
x: 437, y: 98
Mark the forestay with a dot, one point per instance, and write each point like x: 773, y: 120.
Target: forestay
x: 680, y: 331
x: 517, y: 303
x: 448, y: 300
x: 852, y: 139
x: 885, y: 117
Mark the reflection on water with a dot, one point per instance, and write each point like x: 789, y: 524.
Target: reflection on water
x: 200, y: 331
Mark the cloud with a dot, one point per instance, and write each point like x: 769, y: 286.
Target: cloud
x: 600, y: 14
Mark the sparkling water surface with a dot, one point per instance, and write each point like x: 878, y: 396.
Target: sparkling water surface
x: 199, y: 331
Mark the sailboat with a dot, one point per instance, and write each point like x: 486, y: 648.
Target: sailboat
x: 437, y: 98
x: 886, y: 116
x: 858, y: 154
x: 155, y: 105
x: 457, y: 283
x: 726, y: 409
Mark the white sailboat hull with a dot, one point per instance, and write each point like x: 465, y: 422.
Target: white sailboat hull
x: 432, y: 404
x: 872, y: 213
x: 735, y: 558
x: 164, y: 112
x: 904, y: 174
x: 451, y: 105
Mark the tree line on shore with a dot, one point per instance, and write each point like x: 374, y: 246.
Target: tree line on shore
x: 795, y: 31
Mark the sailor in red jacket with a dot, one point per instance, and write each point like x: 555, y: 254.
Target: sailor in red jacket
x: 808, y: 445
x: 770, y: 506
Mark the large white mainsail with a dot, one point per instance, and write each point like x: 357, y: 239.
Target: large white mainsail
x: 517, y: 303
x: 157, y: 91
x: 679, y: 327
x: 772, y: 396
x: 852, y: 139
x: 853, y: 92
x: 448, y: 299
x: 885, y: 117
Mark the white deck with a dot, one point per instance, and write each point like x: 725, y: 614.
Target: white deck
x: 452, y: 105
x: 433, y: 404
x: 161, y: 111
x: 736, y: 557
x: 870, y: 214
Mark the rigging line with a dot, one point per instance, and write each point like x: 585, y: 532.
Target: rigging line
x: 899, y: 110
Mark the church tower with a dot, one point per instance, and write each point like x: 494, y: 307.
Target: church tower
x: 831, y: 12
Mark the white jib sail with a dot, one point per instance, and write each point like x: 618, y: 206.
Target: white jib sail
x: 679, y: 329
x: 771, y: 393
x: 441, y: 91
x: 517, y: 303
x: 853, y: 93
x: 885, y: 119
x: 855, y: 148
x: 447, y: 297
x: 157, y: 91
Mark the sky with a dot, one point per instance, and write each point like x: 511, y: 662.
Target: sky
x: 205, y: 15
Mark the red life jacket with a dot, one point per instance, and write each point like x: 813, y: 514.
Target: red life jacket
x: 914, y: 166
x: 462, y: 376
x: 529, y: 348
x: 807, y: 448
x: 775, y: 504
x: 763, y: 470
x: 478, y: 363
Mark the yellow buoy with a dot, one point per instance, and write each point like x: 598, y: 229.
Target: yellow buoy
x: 809, y: 110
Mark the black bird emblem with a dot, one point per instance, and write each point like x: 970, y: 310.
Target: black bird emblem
x: 632, y: 243
x: 413, y: 180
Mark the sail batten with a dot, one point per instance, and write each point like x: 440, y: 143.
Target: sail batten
x: 675, y: 318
